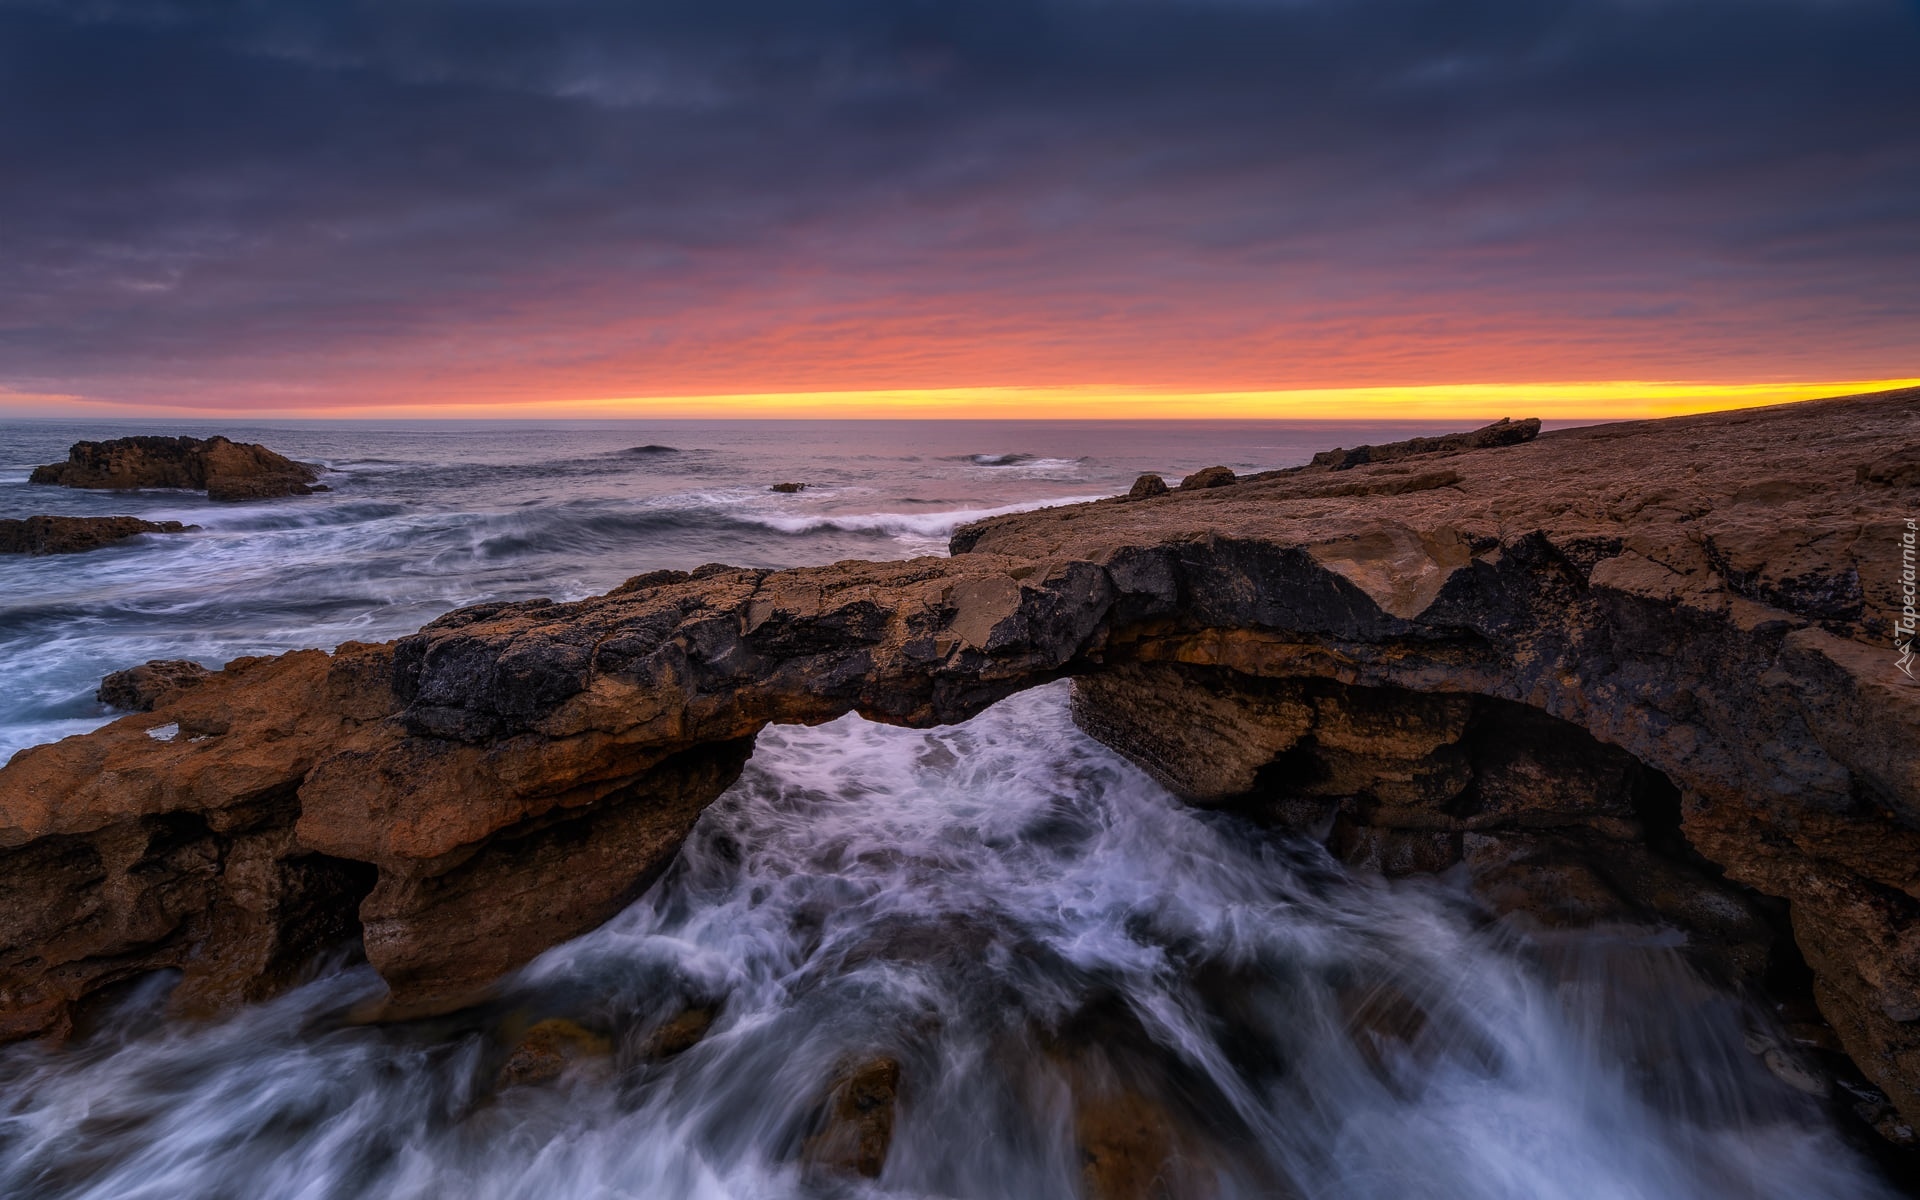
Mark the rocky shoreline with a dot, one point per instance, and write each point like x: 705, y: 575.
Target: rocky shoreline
x: 1637, y: 672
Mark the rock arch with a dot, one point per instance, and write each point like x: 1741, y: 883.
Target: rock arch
x: 512, y: 774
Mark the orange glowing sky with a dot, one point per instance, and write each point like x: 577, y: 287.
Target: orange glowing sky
x: 1047, y: 208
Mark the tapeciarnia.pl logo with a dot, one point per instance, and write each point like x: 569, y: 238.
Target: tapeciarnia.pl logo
x: 1903, y: 625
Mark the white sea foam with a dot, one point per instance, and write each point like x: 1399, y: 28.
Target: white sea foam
x: 1027, y: 924
x: 906, y: 525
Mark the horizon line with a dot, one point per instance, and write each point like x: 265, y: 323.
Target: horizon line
x: 1579, y: 400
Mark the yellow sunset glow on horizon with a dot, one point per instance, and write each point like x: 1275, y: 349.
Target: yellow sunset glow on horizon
x: 1602, y: 400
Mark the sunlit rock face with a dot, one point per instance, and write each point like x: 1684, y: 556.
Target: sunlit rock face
x: 1632, y: 669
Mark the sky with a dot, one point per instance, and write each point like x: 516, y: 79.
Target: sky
x: 1049, y: 208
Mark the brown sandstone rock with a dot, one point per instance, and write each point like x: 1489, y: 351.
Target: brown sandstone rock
x: 1706, y: 602
x: 1208, y: 477
x: 441, y: 929
x: 70, y: 535
x: 858, y: 1124
x: 138, y: 689
x: 1147, y: 487
x: 224, y: 469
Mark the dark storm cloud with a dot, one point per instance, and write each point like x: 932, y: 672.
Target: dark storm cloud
x: 201, y: 191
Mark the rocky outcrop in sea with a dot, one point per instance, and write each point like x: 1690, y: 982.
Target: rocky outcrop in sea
x: 72, y: 535
x: 225, y: 470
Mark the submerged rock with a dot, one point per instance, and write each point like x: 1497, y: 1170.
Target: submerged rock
x: 225, y: 470
x: 548, y: 1049
x: 788, y: 488
x: 138, y: 689
x: 679, y: 1033
x: 70, y: 535
x: 1128, y: 1147
x: 858, y: 1121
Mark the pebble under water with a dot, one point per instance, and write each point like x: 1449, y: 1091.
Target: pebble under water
x: 1019, y: 957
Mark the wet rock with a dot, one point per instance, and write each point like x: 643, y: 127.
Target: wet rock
x: 1127, y: 1147
x: 1208, y: 477
x: 1147, y: 487
x: 1873, y: 1109
x: 788, y: 488
x: 653, y: 448
x: 225, y: 470
x: 678, y: 1034
x: 138, y: 689
x: 547, y: 1049
x: 71, y: 535
x: 1787, y: 1067
x: 858, y: 1122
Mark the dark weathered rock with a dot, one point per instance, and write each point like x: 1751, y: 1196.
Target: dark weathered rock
x: 225, y: 470
x: 1147, y: 487
x: 1208, y: 477
x: 1503, y: 432
x: 788, y: 488
x: 1707, y: 603
x: 70, y: 535
x: 138, y: 689
x: 857, y: 1125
